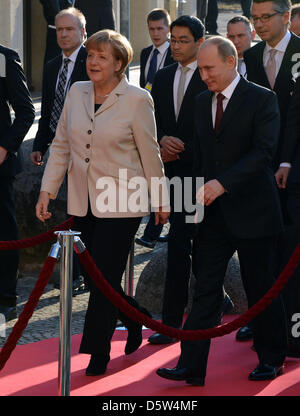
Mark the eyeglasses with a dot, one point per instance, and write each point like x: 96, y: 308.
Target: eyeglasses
x: 265, y: 18
x: 180, y: 42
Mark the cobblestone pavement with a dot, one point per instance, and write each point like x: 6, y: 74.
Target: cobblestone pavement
x: 45, y: 320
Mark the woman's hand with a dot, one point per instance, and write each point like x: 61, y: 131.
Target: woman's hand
x: 41, y: 208
x: 161, y: 216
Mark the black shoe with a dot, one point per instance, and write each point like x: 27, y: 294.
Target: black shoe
x: 97, y: 365
x: 9, y: 312
x: 227, y: 305
x: 142, y: 241
x: 265, y: 372
x: 79, y: 286
x: 244, y: 334
x: 161, y: 339
x: 163, y: 238
x: 135, y: 331
x: 180, y: 374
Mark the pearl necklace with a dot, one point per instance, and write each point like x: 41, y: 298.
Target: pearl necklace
x: 101, y: 96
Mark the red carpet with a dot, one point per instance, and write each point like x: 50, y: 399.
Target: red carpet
x: 32, y: 371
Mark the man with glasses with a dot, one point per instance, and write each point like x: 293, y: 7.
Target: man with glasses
x: 174, y: 90
x: 272, y: 64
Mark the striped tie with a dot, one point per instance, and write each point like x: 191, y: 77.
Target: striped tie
x: 59, y: 96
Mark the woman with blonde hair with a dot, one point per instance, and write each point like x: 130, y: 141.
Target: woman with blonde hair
x: 106, y: 141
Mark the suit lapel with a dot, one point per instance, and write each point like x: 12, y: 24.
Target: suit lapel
x: 190, y: 91
x: 286, y: 64
x: 169, y: 91
x: 234, y: 104
x: 77, y: 73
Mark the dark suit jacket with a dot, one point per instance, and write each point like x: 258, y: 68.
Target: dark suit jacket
x: 44, y: 134
x: 291, y: 149
x: 143, y: 61
x: 162, y: 93
x: 284, y: 84
x: 13, y: 91
x: 240, y: 156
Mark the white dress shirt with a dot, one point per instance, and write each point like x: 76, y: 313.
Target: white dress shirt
x: 161, y: 57
x: 71, y: 64
x: 227, y: 94
x: 193, y: 66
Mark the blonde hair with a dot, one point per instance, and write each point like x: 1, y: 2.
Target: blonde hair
x: 121, y: 47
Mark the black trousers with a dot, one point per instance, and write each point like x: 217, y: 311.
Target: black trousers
x: 289, y: 239
x: 212, y: 16
x: 215, y: 246
x: 246, y: 7
x: 152, y: 231
x: 178, y: 269
x: 108, y: 241
x: 9, y: 260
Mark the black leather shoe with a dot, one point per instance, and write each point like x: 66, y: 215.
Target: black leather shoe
x: 180, y: 374
x: 135, y: 331
x: 161, y: 339
x: 79, y: 286
x: 142, y: 241
x: 265, y: 372
x: 9, y: 312
x: 244, y: 334
x: 163, y: 238
x: 97, y: 365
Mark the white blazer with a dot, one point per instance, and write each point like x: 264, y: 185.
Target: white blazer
x: 117, y: 145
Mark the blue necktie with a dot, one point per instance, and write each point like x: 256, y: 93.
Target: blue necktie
x: 152, y: 67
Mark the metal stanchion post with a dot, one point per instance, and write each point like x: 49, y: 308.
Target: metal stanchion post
x: 65, y: 318
x: 129, y: 271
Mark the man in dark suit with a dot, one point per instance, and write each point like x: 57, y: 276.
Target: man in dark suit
x: 70, y: 29
x: 175, y: 131
x: 271, y: 63
x: 152, y: 59
x: 158, y: 21
x: 14, y: 92
x: 242, y: 210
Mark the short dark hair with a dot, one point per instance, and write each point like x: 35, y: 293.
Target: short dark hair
x: 158, y: 14
x: 280, y: 6
x: 295, y: 10
x: 241, y: 19
x: 193, y: 23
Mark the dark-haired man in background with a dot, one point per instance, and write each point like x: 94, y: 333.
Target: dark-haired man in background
x: 272, y: 63
x: 174, y: 90
x: 152, y: 59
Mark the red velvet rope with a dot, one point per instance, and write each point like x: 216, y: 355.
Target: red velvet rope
x: 27, y: 312
x: 189, y: 335
x: 39, y: 239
